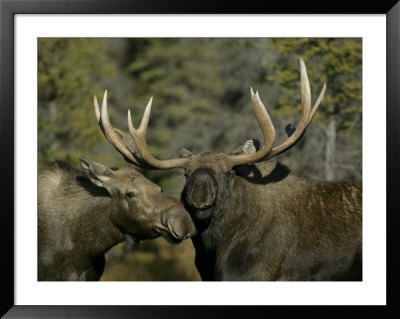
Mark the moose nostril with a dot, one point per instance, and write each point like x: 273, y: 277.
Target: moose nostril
x: 201, y: 203
x: 173, y: 231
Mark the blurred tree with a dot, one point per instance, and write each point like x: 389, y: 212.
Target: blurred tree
x: 335, y: 61
x: 244, y: 63
x: 70, y: 71
x: 182, y: 76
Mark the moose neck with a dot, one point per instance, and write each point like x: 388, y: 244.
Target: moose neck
x: 210, y: 231
x: 227, y: 212
x: 94, y: 224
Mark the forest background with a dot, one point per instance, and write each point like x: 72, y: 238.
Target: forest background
x: 201, y: 91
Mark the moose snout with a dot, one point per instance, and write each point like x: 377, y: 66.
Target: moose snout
x: 176, y: 225
x: 198, y: 198
x: 201, y: 189
x: 179, y: 224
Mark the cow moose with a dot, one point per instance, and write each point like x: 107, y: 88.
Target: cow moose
x: 82, y: 213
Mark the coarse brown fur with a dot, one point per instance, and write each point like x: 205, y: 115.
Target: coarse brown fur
x: 82, y: 213
x: 268, y: 224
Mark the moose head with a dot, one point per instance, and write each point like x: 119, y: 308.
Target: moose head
x: 141, y: 210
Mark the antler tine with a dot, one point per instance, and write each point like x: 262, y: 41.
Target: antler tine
x: 97, y: 110
x: 267, y: 128
x: 306, y: 113
x: 139, y: 137
x: 110, y: 133
x: 318, y: 102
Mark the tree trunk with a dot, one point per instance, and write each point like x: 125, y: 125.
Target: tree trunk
x: 330, y: 151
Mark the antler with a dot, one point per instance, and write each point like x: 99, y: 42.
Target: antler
x: 125, y: 146
x: 268, y: 132
x: 307, y: 113
x: 139, y: 137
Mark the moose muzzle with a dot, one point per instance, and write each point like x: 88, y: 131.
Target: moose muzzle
x: 201, y: 189
x: 176, y: 225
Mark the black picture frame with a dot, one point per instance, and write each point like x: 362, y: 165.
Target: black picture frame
x: 8, y: 10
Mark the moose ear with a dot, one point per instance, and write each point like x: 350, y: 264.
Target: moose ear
x: 96, y: 172
x: 249, y: 147
x: 183, y: 152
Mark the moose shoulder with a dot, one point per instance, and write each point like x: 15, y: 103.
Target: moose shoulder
x: 268, y: 224
x: 82, y: 213
x: 257, y: 221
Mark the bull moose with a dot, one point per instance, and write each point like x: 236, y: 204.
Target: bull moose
x: 256, y: 220
x: 84, y: 212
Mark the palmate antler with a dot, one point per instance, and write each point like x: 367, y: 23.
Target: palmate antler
x: 139, y: 137
x: 263, y: 118
x: 125, y: 146
x: 307, y: 113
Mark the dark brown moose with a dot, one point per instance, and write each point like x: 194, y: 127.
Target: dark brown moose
x: 257, y: 221
x: 84, y: 212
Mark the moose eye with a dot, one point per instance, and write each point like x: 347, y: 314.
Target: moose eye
x: 130, y: 194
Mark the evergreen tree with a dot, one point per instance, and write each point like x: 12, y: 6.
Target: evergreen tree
x: 70, y: 72
x: 337, y: 62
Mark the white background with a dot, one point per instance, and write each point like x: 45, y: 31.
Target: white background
x: 373, y: 288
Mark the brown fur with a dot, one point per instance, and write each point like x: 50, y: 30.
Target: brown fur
x: 83, y: 213
x: 267, y: 224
